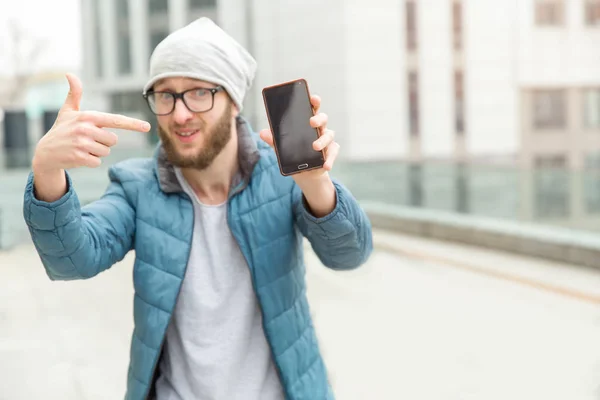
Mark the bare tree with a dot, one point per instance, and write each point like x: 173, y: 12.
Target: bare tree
x: 25, y: 52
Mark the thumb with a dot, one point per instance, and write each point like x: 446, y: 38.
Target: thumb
x: 266, y: 136
x: 74, y: 97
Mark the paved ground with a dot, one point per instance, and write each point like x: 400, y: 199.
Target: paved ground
x: 422, y: 320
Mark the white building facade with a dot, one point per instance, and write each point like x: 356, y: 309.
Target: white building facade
x: 400, y: 79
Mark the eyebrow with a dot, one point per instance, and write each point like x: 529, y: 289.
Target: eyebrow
x: 197, y: 86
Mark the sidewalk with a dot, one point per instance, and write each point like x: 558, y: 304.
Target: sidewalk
x: 411, y: 323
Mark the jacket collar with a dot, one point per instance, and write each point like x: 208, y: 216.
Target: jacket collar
x: 248, y: 156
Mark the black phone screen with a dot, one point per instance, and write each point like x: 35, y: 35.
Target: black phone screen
x: 289, y: 110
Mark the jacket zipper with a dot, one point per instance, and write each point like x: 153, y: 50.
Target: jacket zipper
x: 238, y: 189
x: 162, y: 342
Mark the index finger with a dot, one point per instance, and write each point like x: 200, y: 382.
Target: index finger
x: 107, y: 120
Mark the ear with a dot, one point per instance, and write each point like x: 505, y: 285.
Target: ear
x: 234, y: 110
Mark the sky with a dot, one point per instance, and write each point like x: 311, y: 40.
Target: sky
x: 58, y: 22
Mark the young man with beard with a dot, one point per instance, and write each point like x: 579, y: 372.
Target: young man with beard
x: 220, y: 305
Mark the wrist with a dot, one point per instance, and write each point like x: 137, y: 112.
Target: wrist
x: 320, y: 195
x: 313, y: 181
x: 39, y: 168
x: 48, y: 184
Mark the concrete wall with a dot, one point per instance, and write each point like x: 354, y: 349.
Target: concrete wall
x: 375, y: 82
x: 567, y: 55
x: 436, y: 74
x: 490, y: 83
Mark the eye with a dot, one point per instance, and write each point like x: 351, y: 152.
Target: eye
x: 163, y: 96
x: 199, y: 93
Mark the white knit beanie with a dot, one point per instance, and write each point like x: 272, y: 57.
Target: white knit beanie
x: 202, y: 50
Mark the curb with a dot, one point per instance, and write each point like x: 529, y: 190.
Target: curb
x: 546, y: 242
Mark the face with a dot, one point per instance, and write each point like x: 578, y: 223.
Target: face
x: 194, y: 140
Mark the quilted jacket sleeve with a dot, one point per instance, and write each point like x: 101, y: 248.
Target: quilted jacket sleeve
x: 343, y: 239
x: 75, y: 242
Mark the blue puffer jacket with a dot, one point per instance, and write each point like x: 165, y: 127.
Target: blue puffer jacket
x: 145, y: 209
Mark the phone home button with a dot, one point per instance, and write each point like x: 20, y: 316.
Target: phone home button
x: 302, y: 166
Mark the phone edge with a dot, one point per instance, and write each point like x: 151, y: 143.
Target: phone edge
x: 317, y: 130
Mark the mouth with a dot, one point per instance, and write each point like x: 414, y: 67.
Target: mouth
x: 187, y: 135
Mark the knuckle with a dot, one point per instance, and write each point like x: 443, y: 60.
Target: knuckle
x: 117, y: 121
x: 85, y: 142
x: 78, y: 141
x: 78, y: 158
x: 81, y: 116
x: 83, y: 129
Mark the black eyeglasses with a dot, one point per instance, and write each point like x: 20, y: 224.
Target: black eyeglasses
x: 196, y: 100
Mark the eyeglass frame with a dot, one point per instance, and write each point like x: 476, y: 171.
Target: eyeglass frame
x: 179, y: 95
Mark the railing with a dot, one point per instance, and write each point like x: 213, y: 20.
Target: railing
x: 543, y: 196
x: 547, y: 197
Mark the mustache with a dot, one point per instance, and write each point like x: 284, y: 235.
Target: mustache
x: 197, y: 127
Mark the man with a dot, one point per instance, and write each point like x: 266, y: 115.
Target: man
x: 220, y: 305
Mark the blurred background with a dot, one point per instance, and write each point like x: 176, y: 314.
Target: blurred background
x: 457, y: 119
x: 473, y: 107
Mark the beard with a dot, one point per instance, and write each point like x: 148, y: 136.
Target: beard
x: 215, y: 141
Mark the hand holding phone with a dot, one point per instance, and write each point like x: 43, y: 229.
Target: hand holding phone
x: 289, y: 110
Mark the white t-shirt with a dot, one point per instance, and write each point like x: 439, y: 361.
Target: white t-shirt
x: 215, y: 346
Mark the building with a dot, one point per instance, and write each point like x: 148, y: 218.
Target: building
x: 514, y: 77
x: 29, y: 105
x: 119, y: 37
x: 559, y: 84
x: 401, y: 79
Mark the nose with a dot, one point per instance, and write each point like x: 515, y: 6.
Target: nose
x: 181, y: 114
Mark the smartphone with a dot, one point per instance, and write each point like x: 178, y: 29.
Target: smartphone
x: 289, y: 111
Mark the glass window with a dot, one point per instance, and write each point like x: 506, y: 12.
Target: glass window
x: 457, y: 25
x: 592, y: 161
x: 459, y: 102
x: 415, y: 185
x: 97, y: 38
x: 592, y: 12
x: 124, y: 46
x: 551, y: 187
x: 549, y: 109
x: 591, y: 103
x: 158, y: 6
x: 413, y: 103
x: 156, y: 38
x: 591, y: 183
x: 124, y: 37
x: 124, y: 102
x: 202, y: 3
x: 123, y: 9
x: 411, y: 25
x: 549, y: 12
